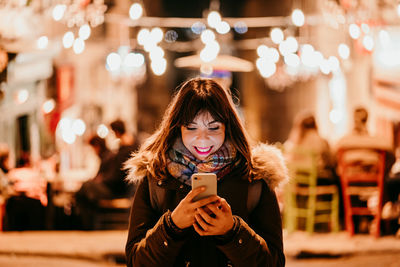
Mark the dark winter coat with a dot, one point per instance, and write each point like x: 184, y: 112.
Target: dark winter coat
x: 256, y: 239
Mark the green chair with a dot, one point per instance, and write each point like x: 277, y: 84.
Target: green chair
x: 320, y: 202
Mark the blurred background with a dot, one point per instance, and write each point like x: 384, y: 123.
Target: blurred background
x: 69, y: 68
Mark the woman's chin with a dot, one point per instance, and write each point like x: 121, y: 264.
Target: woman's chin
x: 201, y: 157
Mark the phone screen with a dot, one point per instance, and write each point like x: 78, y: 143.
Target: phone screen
x: 209, y: 180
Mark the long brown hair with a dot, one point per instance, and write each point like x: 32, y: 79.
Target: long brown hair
x: 193, y: 96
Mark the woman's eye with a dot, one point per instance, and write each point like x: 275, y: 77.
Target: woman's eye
x: 213, y: 128
x: 190, y: 128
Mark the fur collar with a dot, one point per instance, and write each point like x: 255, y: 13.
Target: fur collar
x: 268, y: 163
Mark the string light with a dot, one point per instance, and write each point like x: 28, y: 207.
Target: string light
x: 68, y: 39
x: 159, y: 66
x: 298, y: 18
x: 198, y: 27
x: 262, y: 50
x: 344, y: 51
x: 354, y: 31
x: 213, y: 19
x: 84, y: 32
x: 135, y: 11
x: 77, y: 14
x: 223, y: 27
x: 207, y: 36
x: 368, y: 42
x: 58, y: 12
x: 102, y: 131
x: 48, y: 106
x: 22, y: 96
x: 79, y: 45
x: 78, y: 127
x: 277, y: 35
x: 42, y: 42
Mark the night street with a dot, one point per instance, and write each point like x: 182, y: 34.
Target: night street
x: 199, y: 133
x: 362, y: 260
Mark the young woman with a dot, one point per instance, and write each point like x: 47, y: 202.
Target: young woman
x: 241, y: 226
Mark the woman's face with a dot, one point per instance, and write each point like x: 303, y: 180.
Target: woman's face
x: 203, y: 136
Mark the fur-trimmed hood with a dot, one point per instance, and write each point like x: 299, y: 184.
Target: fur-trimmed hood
x: 268, y: 164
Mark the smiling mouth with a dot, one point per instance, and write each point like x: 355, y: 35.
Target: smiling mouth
x: 203, y: 150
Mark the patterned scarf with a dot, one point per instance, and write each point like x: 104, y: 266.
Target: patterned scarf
x: 182, y: 164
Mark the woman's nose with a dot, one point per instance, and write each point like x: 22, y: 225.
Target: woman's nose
x: 203, y: 135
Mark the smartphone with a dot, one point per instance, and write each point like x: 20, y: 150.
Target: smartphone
x: 209, y: 180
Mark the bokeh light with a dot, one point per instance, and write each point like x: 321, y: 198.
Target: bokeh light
x: 22, y: 96
x: 156, y: 35
x: 135, y: 11
x: 79, y: 45
x: 223, y: 27
x: 368, y: 42
x: 240, y: 27
x: 143, y: 36
x: 68, y: 39
x: 85, y: 31
x: 113, y: 61
x: 48, y: 106
x: 58, y: 12
x: 171, y: 36
x: 42, y: 42
x: 262, y: 50
x: 298, y: 18
x: 159, y: 66
x: 354, y: 31
x: 133, y: 60
x: 213, y: 19
x: 277, y: 35
x: 78, y: 127
x: 102, y: 131
x: 198, y: 27
x: 344, y: 51
x: 207, y: 36
x: 265, y: 67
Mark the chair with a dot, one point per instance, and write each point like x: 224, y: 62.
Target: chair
x: 321, y: 202
x: 361, y: 173
x: 112, y: 214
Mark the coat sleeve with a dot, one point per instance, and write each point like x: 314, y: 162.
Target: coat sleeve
x: 258, y: 243
x: 149, y: 243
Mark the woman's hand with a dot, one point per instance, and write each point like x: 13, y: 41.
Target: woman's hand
x: 218, y: 222
x: 183, y: 214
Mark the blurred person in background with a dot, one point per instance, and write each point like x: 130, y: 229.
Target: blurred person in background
x: 363, y: 145
x: 304, y: 135
x: 25, y: 207
x: 360, y: 137
x: 127, y: 145
x: 96, y: 188
x: 362, y: 150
